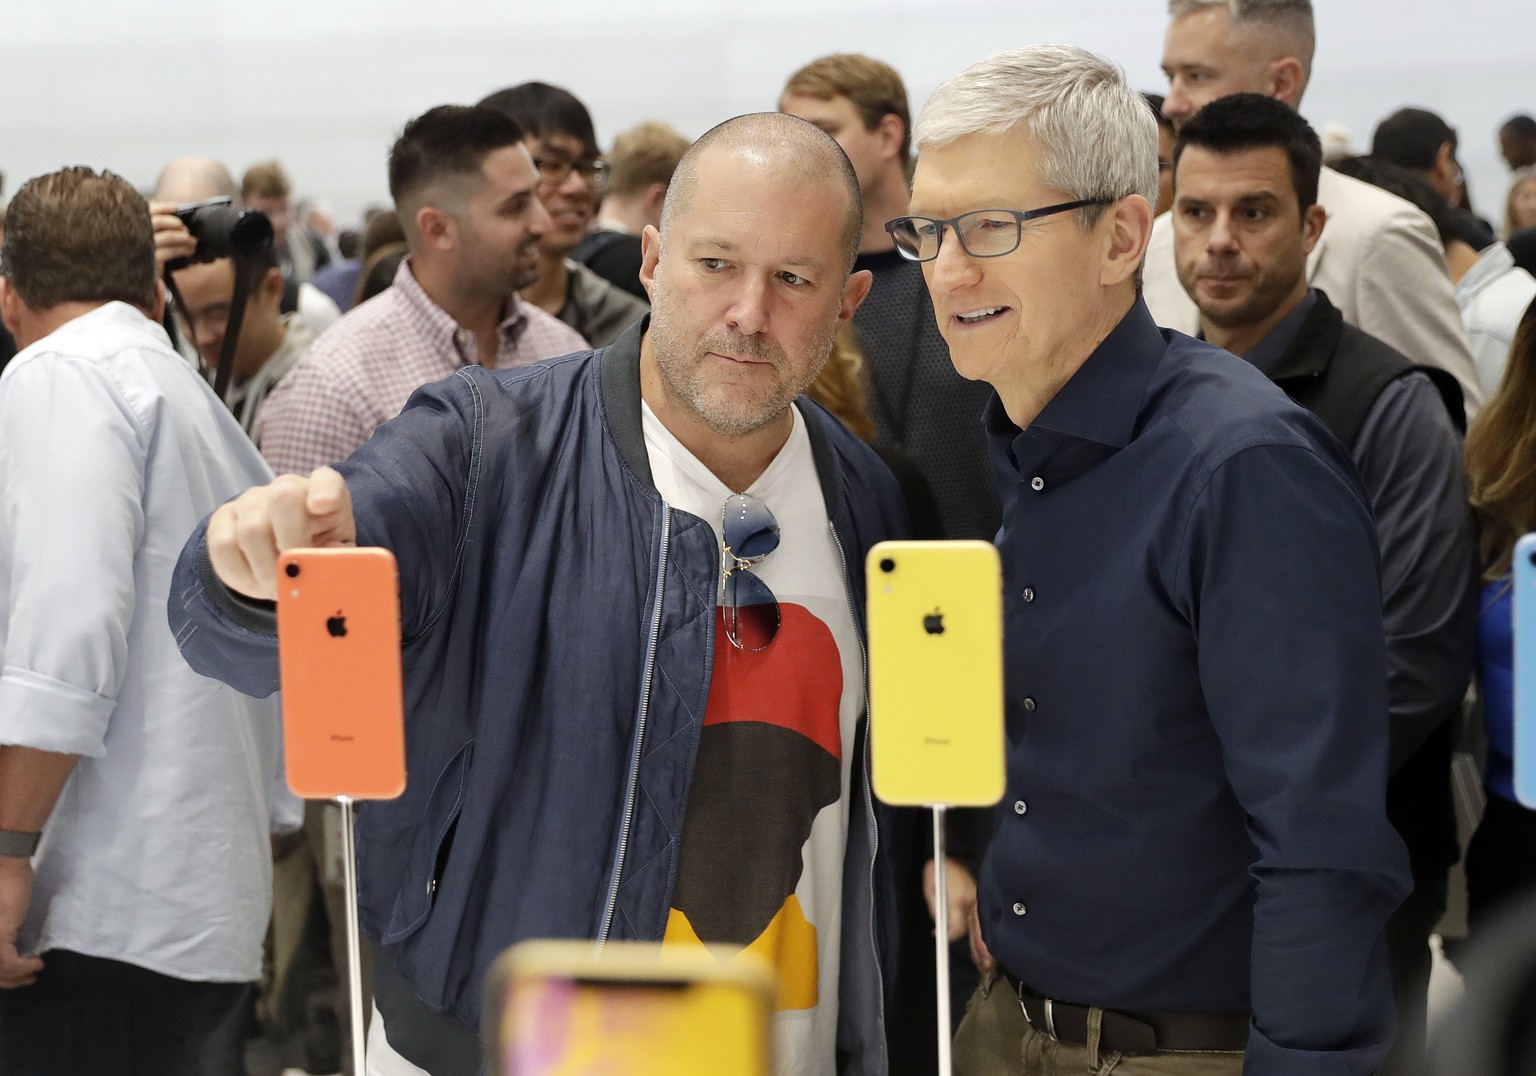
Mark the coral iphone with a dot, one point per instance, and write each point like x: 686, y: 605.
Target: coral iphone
x: 338, y: 637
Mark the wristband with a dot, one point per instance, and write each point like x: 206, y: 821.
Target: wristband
x: 15, y: 843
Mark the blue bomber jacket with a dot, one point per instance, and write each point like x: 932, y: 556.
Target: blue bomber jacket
x: 557, y: 621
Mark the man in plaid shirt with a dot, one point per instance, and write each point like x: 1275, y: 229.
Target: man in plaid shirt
x: 466, y: 192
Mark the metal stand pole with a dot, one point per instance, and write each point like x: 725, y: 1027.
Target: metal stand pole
x: 354, y: 942
x: 941, y: 936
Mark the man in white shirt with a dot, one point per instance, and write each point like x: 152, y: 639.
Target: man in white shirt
x: 1379, y: 260
x: 136, y: 797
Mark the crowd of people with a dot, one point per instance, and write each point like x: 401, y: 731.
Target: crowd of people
x: 1247, y: 418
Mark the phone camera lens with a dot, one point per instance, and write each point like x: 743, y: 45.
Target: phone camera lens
x: 292, y: 570
x: 887, y: 565
x: 1533, y: 558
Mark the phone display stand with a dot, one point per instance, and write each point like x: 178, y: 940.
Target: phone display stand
x: 354, y: 938
x: 941, y: 936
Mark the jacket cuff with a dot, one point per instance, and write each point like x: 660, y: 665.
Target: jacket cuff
x: 252, y: 614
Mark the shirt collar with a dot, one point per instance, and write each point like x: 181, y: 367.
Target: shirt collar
x: 1102, y: 401
x: 1490, y: 265
x: 1273, y: 345
x: 442, y: 327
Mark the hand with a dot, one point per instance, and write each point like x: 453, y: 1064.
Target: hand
x: 961, y: 899
x: 15, y: 895
x: 246, y: 536
x: 172, y: 240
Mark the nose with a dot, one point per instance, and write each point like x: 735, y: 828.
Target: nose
x: 1221, y: 238
x: 953, y: 268
x: 748, y: 312
x: 538, y: 218
x: 1177, y: 106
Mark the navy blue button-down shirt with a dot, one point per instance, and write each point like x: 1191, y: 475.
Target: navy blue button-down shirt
x: 1197, y: 717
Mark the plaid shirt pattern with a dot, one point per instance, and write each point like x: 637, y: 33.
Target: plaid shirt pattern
x: 359, y: 373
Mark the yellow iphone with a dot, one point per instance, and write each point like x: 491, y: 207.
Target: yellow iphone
x: 556, y: 1008
x: 936, y: 673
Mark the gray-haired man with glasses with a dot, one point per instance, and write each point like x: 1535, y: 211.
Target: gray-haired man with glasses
x: 632, y: 606
x: 1192, y: 864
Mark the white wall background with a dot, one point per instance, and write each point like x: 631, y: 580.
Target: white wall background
x: 325, y: 84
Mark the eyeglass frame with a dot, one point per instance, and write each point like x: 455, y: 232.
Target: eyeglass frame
x: 1020, y: 217
x: 594, y: 170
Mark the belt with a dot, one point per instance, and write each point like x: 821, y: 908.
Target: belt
x: 1132, y: 1032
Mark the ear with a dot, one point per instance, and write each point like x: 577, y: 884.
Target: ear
x: 891, y: 132
x: 854, y: 294
x: 1312, y: 222
x: 1127, y: 227
x: 650, y: 256
x: 1286, y: 80
x: 438, y: 230
x: 270, y: 290
x: 11, y: 305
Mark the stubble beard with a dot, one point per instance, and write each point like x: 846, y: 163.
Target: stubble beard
x: 732, y: 411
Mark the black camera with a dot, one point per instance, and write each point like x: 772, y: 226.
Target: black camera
x: 222, y: 231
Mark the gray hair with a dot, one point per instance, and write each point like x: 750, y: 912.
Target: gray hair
x: 1097, y: 136
x: 1287, y: 24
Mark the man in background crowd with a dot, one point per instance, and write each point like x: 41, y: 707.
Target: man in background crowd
x: 1245, y: 218
x: 1420, y: 141
x: 640, y: 168
x: 557, y: 129
x: 466, y: 193
x: 136, y: 797
x: 1517, y: 141
x: 265, y: 187
x: 1379, y: 261
x: 922, y: 408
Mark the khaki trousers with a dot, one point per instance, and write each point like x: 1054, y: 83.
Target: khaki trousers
x: 996, y: 1040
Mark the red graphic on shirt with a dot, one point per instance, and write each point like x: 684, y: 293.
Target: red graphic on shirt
x: 769, y: 761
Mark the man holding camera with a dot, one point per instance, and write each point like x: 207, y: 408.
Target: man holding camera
x: 135, y: 795
x: 270, y: 341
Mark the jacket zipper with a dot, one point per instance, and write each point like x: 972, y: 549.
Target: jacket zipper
x: 869, y: 794
x: 611, y: 904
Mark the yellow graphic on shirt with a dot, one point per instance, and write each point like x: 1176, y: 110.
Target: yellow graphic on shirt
x: 788, y: 944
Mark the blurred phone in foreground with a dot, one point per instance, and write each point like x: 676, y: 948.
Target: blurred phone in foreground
x: 1525, y: 670
x: 338, y: 639
x: 936, y: 673
x: 636, y: 1010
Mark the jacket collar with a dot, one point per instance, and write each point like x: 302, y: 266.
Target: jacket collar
x: 619, y: 394
x: 1311, y: 349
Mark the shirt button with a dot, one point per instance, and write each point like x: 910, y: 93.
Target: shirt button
x: 1037, y: 483
x: 1019, y: 909
x: 1029, y: 594
x: 1019, y: 807
x: 1029, y: 704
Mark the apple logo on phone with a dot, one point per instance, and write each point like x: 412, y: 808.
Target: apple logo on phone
x: 933, y: 623
x: 337, y: 625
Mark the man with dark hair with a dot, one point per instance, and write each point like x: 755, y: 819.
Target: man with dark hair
x: 557, y: 130
x: 1245, y: 218
x: 270, y: 341
x: 1517, y: 141
x: 584, y: 690
x: 1164, y: 154
x: 1379, y: 262
x: 466, y: 193
x: 136, y: 797
x: 1420, y: 141
x: 640, y: 169
x: 921, y: 407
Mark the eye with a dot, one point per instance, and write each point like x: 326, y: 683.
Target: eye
x: 794, y: 280
x: 1192, y: 212
x: 1254, y: 215
x: 712, y: 265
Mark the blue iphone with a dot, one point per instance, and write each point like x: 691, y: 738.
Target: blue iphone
x: 1525, y: 670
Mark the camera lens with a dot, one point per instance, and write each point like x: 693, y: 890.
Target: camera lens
x: 292, y: 570
x: 887, y: 565
x: 1533, y: 558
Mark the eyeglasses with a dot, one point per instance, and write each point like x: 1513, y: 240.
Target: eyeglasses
x: 983, y: 233
x: 554, y: 171
x: 751, y: 611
